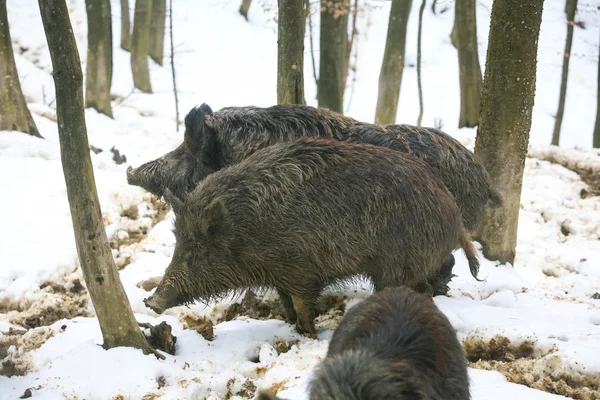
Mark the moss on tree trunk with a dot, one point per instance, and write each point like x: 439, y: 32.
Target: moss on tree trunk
x: 125, y: 26
x: 290, y: 52
x: 244, y: 8
x: 468, y: 62
x: 140, y: 45
x: 118, y: 325
x: 157, y: 30
x: 596, y: 140
x: 99, y: 56
x: 14, y: 114
x: 390, y: 76
x: 571, y: 8
x: 332, y: 53
x: 506, y: 105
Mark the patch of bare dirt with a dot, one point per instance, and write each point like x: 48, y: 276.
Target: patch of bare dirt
x: 150, y: 283
x: 17, y: 361
x: 282, y: 346
x: 527, y: 365
x: 246, y: 391
x: 202, y: 325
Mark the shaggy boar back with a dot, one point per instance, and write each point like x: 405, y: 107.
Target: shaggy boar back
x: 301, y: 215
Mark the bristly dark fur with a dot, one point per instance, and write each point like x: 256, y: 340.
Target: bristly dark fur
x: 216, y: 140
x: 299, y: 216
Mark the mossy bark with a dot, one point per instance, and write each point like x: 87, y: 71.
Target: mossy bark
x: 140, y: 45
x: 290, y: 52
x: 125, y: 26
x: 332, y: 52
x: 14, y: 114
x: 244, y: 8
x: 468, y: 63
x: 390, y: 76
x: 506, y: 106
x: 118, y: 325
x: 99, y: 56
x: 571, y: 8
x: 157, y: 30
x: 596, y: 140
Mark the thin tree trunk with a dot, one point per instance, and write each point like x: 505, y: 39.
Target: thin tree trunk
x: 157, y: 30
x: 118, y: 325
x: 468, y: 63
x: 353, y: 33
x: 140, y: 45
x: 290, y: 52
x: 173, y: 65
x: 244, y: 8
x: 14, y: 114
x: 419, y: 86
x: 312, y: 47
x: 390, y: 76
x: 125, y: 26
x: 505, y: 119
x: 596, y: 139
x: 333, y: 44
x: 99, y: 56
x: 571, y: 8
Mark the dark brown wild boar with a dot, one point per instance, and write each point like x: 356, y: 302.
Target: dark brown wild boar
x: 299, y: 216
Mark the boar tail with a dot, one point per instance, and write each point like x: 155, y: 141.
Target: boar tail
x: 471, y: 253
x: 495, y: 198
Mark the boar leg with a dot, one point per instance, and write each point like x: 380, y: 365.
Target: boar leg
x: 288, y: 305
x: 423, y: 287
x: 306, y: 317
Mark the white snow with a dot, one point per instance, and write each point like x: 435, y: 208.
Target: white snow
x: 223, y: 60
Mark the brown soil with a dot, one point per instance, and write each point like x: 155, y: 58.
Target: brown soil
x: 150, y: 283
x: 527, y: 365
x: 202, y: 325
x: 19, y: 362
x: 283, y: 346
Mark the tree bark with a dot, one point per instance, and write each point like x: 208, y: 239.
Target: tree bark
x: 140, y: 45
x: 118, y: 325
x: 14, y: 114
x: 99, y: 59
x: 468, y: 63
x: 290, y: 52
x: 453, y: 34
x: 173, y: 65
x: 571, y: 8
x: 390, y: 76
x: 244, y: 8
x: 596, y: 140
x: 333, y: 47
x: 157, y: 30
x: 419, y: 86
x: 353, y: 34
x: 506, y: 105
x: 125, y: 26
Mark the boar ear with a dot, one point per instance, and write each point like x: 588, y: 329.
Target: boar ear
x: 175, y: 202
x: 198, y: 136
x: 266, y: 395
x: 214, y: 218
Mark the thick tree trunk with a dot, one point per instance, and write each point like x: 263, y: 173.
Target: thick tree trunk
x: 125, y: 26
x: 468, y: 63
x: 597, y: 126
x: 390, y: 76
x: 333, y: 47
x: 290, y: 52
x: 157, y: 30
x: 571, y: 8
x: 419, y: 86
x: 140, y: 45
x: 99, y: 56
x: 244, y: 8
x: 14, y: 114
x: 505, y: 119
x: 118, y: 325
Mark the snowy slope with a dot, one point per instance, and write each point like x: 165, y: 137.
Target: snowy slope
x: 544, y: 306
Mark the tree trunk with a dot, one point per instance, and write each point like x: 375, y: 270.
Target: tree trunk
x: 506, y: 105
x: 454, y: 33
x: 140, y: 45
x: 118, y: 325
x: 597, y: 126
x: 244, y: 8
x: 390, y: 76
x: 353, y: 34
x: 419, y: 86
x: 14, y: 114
x: 125, y: 26
x: 468, y: 63
x: 290, y: 52
x: 157, y: 30
x: 173, y: 65
x: 333, y: 45
x: 99, y: 59
x: 571, y: 8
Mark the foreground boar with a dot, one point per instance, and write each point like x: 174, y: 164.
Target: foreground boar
x: 216, y: 140
x: 301, y: 215
x: 395, y: 344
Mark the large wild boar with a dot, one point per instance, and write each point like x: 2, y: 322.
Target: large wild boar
x: 213, y: 141
x: 299, y: 216
x: 395, y: 344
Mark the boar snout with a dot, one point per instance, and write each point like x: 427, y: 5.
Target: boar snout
x: 131, y: 175
x: 151, y: 303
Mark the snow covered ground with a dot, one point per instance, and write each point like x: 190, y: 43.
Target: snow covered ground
x: 545, y: 310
